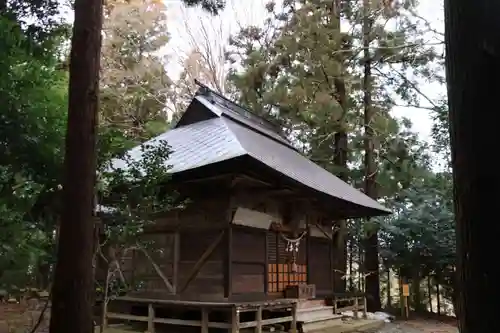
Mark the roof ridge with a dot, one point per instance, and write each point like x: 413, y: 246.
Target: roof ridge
x: 283, y: 141
x: 222, y: 100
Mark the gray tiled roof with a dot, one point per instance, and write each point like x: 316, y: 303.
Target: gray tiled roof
x: 295, y: 166
x: 226, y: 136
x: 195, y: 145
x: 219, y: 110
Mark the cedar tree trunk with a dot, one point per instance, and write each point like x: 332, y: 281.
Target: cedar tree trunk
x: 473, y: 70
x: 72, y: 292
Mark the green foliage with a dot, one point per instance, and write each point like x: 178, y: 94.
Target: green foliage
x: 294, y: 68
x: 32, y: 127
x: 421, y: 230
x: 211, y: 6
x: 134, y: 192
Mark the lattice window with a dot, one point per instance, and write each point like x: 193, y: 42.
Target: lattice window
x: 280, y: 276
x: 279, y: 269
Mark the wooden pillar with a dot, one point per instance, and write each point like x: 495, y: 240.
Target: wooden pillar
x: 365, y: 316
x: 266, y: 262
x: 204, y: 320
x: 228, y: 262
x: 356, y: 305
x: 175, y: 263
x: 293, y: 326
x: 258, y: 319
x: 332, y: 259
x: 308, y: 250
x: 235, y: 320
x: 228, y: 246
x: 151, y: 318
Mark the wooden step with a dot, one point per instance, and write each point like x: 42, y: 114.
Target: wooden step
x: 308, y: 314
x: 321, y: 323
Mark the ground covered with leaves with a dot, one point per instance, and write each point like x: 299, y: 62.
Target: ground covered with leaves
x: 21, y: 318
x: 418, y: 326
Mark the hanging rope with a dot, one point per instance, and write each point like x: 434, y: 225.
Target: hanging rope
x: 292, y: 240
x: 293, y: 247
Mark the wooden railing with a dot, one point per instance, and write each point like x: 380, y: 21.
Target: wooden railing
x: 287, y: 307
x: 356, y: 303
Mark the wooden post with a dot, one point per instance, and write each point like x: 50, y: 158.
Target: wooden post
x: 356, y: 305
x: 228, y: 262
x: 235, y: 320
x: 405, y: 293
x: 407, y: 308
x: 332, y: 260
x: 228, y: 259
x: 308, y: 249
x: 293, y: 326
x: 175, y: 268
x: 266, y: 262
x: 334, y: 301
x: 204, y: 320
x: 364, y: 308
x: 151, y: 318
x: 258, y: 319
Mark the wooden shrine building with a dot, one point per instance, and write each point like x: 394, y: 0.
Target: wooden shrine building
x: 260, y: 218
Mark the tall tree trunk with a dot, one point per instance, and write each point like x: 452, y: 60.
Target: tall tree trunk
x: 416, y: 291
x: 340, y: 158
x: 72, y: 292
x: 340, y: 241
x: 371, y: 243
x: 473, y: 71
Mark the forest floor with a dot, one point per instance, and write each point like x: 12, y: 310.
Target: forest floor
x: 417, y: 326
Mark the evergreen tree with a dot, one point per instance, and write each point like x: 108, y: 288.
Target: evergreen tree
x: 134, y: 84
x: 292, y: 67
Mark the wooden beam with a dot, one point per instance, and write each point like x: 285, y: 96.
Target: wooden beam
x: 265, y: 322
x: 330, y: 237
x: 199, y: 264
x: 168, y: 229
x: 169, y: 321
x: 158, y: 270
